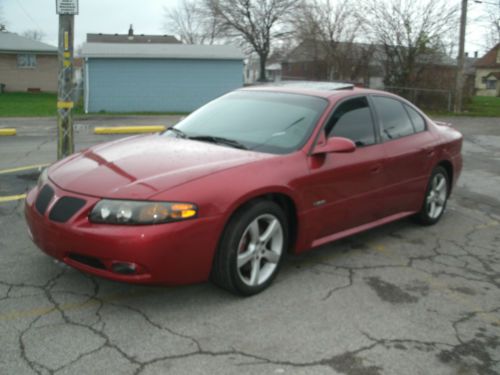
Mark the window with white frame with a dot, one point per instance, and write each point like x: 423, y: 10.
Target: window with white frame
x: 26, y: 61
x: 491, y: 84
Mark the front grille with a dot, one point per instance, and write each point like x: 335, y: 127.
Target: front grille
x: 65, y: 208
x: 88, y: 261
x: 44, y: 198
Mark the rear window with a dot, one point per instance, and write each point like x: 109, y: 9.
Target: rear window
x: 416, y: 119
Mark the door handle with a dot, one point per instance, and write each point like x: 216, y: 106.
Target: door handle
x: 429, y: 152
x: 375, y: 168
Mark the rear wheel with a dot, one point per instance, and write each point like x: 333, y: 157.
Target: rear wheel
x: 436, y: 197
x: 251, y: 249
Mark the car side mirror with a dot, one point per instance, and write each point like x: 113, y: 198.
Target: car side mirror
x: 334, y: 145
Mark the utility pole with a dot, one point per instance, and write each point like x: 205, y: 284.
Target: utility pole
x: 459, y: 89
x: 66, y: 9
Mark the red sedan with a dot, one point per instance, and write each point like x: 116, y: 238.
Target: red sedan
x: 229, y: 190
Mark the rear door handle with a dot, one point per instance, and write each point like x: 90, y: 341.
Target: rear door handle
x: 376, y: 168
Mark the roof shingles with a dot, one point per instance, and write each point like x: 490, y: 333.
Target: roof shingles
x: 12, y: 43
x: 165, y: 51
x: 491, y: 59
x: 124, y: 38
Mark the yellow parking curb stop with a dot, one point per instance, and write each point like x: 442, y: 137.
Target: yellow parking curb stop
x: 10, y: 198
x: 8, y: 131
x: 129, y: 129
x: 23, y: 168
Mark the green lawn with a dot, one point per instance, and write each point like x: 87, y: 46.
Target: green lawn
x: 484, y: 106
x: 479, y: 106
x: 24, y: 104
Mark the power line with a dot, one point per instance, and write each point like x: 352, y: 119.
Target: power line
x: 485, y: 2
x: 28, y: 15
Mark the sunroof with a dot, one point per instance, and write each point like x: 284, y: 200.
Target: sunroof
x: 314, y: 85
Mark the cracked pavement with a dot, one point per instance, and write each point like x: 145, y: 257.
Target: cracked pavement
x: 399, y: 299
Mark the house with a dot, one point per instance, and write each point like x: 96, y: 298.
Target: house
x: 157, y: 77
x: 26, y: 64
x: 252, y: 69
x: 488, y: 73
x: 363, y: 64
x: 273, y: 72
x: 130, y: 37
x: 354, y: 62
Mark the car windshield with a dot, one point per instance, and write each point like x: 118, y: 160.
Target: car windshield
x: 269, y: 122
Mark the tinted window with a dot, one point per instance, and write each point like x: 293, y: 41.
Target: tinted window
x: 418, y: 121
x: 352, y: 119
x: 262, y: 121
x: 394, y: 120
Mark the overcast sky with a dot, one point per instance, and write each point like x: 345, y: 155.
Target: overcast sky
x: 147, y: 16
x: 95, y: 16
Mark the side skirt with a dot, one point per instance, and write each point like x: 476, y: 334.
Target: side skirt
x: 361, y: 228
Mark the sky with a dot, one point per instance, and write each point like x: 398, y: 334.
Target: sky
x: 95, y: 16
x: 147, y: 16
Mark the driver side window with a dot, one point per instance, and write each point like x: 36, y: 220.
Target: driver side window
x: 353, y: 120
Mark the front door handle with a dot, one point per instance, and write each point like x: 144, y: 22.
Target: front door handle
x: 429, y: 152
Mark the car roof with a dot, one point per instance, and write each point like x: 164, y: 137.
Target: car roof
x: 313, y: 88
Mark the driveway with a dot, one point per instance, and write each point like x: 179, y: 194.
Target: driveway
x: 399, y: 299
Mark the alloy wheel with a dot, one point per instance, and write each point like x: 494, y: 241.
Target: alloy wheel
x: 259, y: 250
x: 436, y: 197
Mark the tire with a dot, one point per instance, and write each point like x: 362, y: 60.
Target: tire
x: 251, y: 248
x: 436, y: 197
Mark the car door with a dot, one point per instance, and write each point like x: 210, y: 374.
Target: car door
x: 409, y: 150
x: 345, y: 188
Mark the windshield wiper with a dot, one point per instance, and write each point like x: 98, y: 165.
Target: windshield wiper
x: 219, y: 140
x: 179, y: 132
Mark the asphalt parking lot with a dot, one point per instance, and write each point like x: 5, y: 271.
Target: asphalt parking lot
x: 400, y: 299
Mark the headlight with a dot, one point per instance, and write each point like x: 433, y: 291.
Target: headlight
x: 42, y: 179
x: 141, y: 212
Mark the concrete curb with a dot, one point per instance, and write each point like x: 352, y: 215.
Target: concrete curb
x: 8, y: 132
x: 129, y: 129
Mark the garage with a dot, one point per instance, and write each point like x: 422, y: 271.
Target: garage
x: 157, y: 78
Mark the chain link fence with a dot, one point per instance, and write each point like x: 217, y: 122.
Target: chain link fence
x: 427, y: 99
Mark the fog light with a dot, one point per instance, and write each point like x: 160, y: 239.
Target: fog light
x: 124, y: 268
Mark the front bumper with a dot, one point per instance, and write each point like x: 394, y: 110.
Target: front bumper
x: 174, y: 253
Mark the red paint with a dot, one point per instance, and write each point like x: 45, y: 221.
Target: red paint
x: 335, y: 194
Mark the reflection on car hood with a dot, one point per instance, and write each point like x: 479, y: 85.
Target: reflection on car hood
x: 142, y: 166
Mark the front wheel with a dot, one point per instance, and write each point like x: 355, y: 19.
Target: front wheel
x: 436, y: 197
x: 251, y: 249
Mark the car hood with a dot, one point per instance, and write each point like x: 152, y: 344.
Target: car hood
x: 142, y: 166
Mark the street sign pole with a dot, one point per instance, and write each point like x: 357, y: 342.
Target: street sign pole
x: 65, y: 143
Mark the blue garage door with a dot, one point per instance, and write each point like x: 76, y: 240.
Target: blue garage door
x: 158, y: 85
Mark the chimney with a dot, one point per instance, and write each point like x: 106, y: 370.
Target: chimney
x: 131, y: 30
x: 475, y: 54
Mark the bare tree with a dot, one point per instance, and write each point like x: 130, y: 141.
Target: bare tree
x: 330, y: 28
x: 3, y: 26
x: 257, y: 22
x: 411, y: 33
x: 493, y: 19
x: 193, y: 22
x: 34, y: 34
